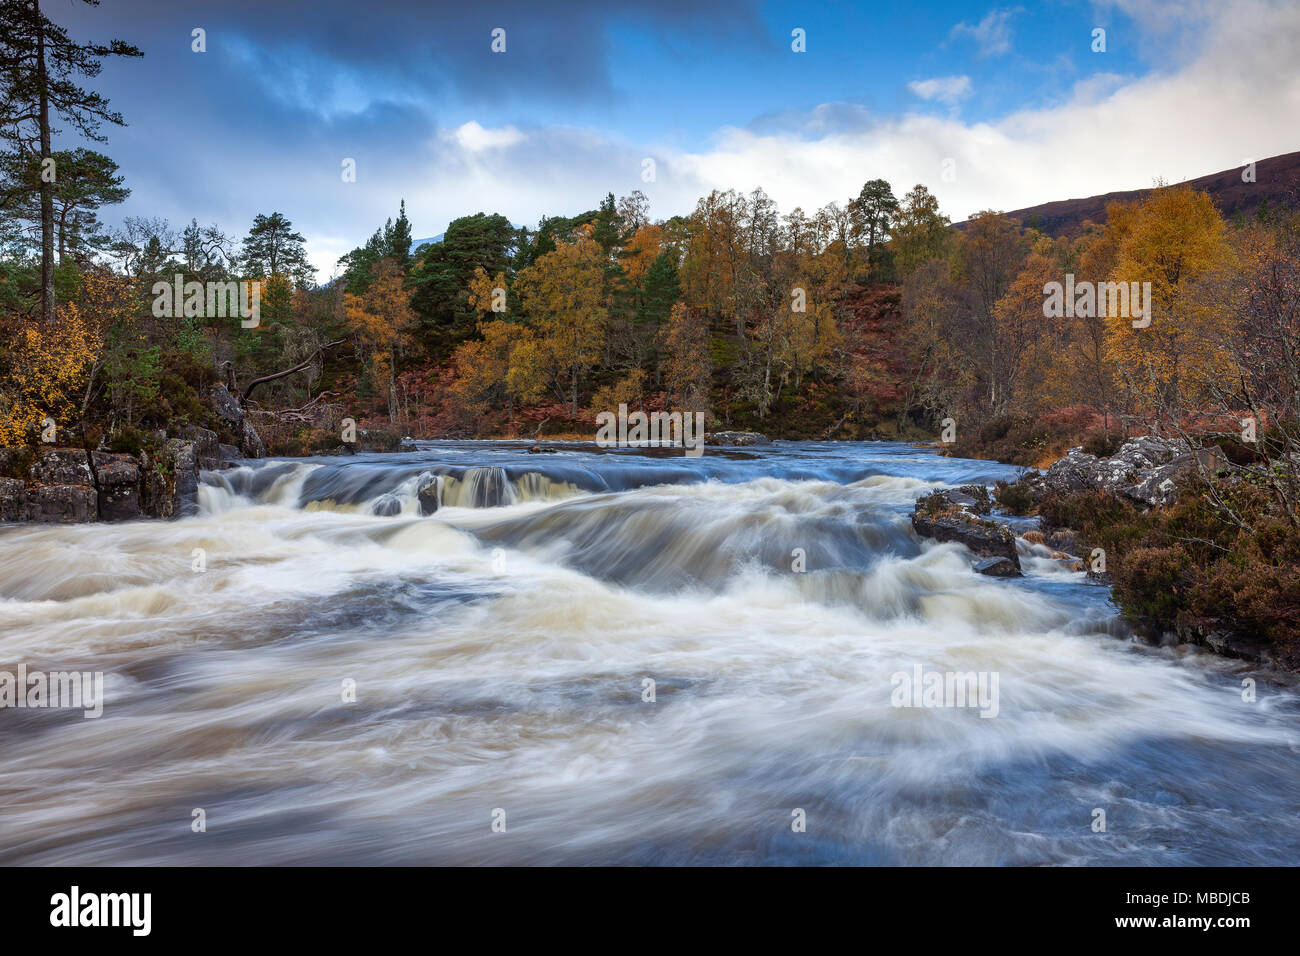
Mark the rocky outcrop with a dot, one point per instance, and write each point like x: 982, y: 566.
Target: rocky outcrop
x: 249, y: 442
x: 947, y: 516
x: 117, y: 482
x: 64, y: 485
x: 1145, y: 469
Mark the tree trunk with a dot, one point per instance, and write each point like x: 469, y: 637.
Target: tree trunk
x: 47, y: 188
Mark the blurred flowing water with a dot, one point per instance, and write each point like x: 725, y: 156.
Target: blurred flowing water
x: 499, y: 649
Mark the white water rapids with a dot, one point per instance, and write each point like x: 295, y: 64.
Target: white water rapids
x: 499, y: 650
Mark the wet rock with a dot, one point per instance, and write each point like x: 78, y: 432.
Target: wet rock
x: 735, y: 438
x: 997, y: 568
x: 118, y: 487
x: 387, y: 506
x: 230, y: 454
x: 539, y: 450
x: 61, y: 504
x: 180, y: 497
x: 941, y: 516
x: 428, y: 495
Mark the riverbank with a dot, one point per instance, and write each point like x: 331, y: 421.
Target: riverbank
x: 1199, y: 545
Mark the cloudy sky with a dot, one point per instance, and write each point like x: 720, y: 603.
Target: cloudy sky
x: 990, y: 106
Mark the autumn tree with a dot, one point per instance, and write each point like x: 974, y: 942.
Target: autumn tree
x: 1175, y: 242
x: 562, y: 297
x: 380, y: 320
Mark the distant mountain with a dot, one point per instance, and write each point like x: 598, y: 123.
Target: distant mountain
x: 417, y: 243
x: 1277, y: 182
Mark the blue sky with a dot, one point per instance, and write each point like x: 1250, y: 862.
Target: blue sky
x: 991, y: 106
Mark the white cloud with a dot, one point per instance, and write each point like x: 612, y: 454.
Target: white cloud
x: 475, y: 138
x: 1238, y: 97
x: 992, y: 35
x: 945, y: 89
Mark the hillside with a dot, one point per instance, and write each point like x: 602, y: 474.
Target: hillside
x: 1277, y: 183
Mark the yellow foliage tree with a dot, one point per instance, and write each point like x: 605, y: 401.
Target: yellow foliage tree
x: 1176, y: 242
x: 379, y: 320
x: 562, y: 295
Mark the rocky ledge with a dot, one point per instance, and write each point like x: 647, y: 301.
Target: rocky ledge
x: 63, y: 485
x: 1144, y: 469
x: 957, y: 516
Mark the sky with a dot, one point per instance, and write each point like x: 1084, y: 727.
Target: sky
x: 989, y: 106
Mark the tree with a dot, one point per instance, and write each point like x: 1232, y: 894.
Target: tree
x: 687, y: 361
x: 1175, y: 242
x: 562, y: 297
x: 920, y: 231
x: 392, y: 242
x: 873, y: 214
x: 379, y: 320
x: 442, y: 271
x: 39, y: 69
x: 272, y: 248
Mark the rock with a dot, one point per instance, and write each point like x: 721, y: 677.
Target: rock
x: 181, y: 496
x: 998, y: 568
x: 13, y: 499
x: 61, y: 504
x: 735, y: 438
x: 62, y: 466
x: 1160, y: 486
x: 1079, y: 471
x: 230, y: 454
x: 224, y: 404
x: 941, y: 517
x: 117, y: 479
x: 539, y: 450
x: 386, y: 506
x: 428, y: 494
x: 377, y: 439
x: 207, y: 449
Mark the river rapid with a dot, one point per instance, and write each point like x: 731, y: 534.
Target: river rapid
x: 608, y: 656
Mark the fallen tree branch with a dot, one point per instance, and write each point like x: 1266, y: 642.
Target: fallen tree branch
x: 301, y: 366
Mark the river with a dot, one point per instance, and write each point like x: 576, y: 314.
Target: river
x: 609, y: 657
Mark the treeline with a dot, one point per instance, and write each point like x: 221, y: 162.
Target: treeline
x: 872, y: 316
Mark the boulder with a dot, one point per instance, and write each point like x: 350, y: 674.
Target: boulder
x: 117, y: 480
x: 997, y: 568
x: 62, y: 466
x: 61, y: 504
x: 224, y: 404
x: 180, y: 461
x: 1160, y: 485
x: 941, y: 517
x: 13, y: 499
x: 428, y: 494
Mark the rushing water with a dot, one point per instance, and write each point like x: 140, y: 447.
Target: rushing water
x: 499, y: 651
